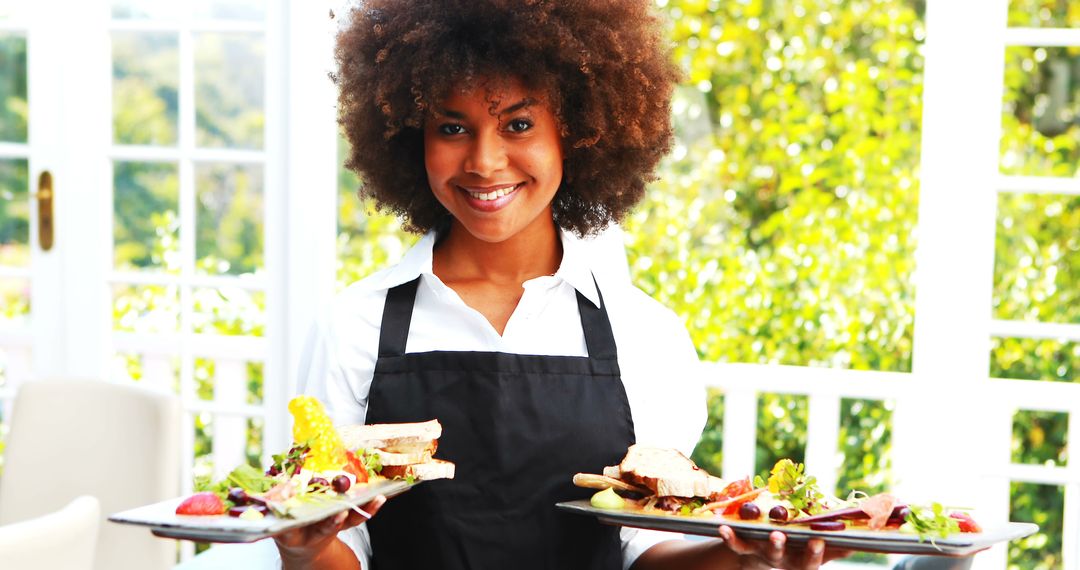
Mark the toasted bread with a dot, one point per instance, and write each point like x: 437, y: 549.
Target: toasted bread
x: 388, y: 458
x: 434, y: 469
x: 396, y: 438
x: 666, y: 472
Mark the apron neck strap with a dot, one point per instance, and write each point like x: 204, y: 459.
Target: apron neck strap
x: 398, y: 310
x: 397, y: 316
x: 597, y: 327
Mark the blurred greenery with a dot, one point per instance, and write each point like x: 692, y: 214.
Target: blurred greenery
x: 229, y: 218
x: 1044, y: 14
x: 1037, y: 258
x: 229, y: 90
x: 1042, y: 550
x: 146, y: 218
x: 14, y: 111
x: 1040, y: 438
x: 146, y: 78
x: 781, y: 431
x: 1035, y: 359
x: 1040, y: 123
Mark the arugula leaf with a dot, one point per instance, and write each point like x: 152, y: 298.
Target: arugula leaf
x: 249, y: 479
x: 690, y: 506
x: 789, y: 481
x: 930, y: 522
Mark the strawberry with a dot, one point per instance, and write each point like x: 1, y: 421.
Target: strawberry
x: 205, y: 503
x: 967, y: 524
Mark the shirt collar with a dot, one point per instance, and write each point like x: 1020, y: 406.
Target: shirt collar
x: 575, y: 267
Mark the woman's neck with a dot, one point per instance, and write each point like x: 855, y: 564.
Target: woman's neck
x: 533, y: 252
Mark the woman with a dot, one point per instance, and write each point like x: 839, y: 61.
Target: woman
x: 505, y: 131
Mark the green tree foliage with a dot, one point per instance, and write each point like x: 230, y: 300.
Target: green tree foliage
x: 14, y: 112
x: 14, y: 181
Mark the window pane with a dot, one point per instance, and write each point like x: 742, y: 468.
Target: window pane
x: 866, y: 446
x: 14, y: 111
x: 229, y: 311
x: 1040, y: 120
x: 146, y: 73
x: 1040, y: 438
x: 147, y: 9
x: 1035, y: 359
x: 229, y: 218
x: 1043, y: 505
x: 1037, y: 258
x: 146, y: 219
x: 203, y: 467
x: 229, y: 90
x: 254, y: 445
x: 14, y: 302
x: 254, y: 383
x: 160, y: 371
x: 781, y: 430
x: 1044, y: 14
x: 230, y: 9
x: 14, y: 213
x: 146, y: 309
x: 780, y: 227
x: 368, y: 240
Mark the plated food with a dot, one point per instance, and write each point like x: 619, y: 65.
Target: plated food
x: 663, y: 489
x: 327, y: 470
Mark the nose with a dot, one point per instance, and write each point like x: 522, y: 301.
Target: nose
x: 486, y: 156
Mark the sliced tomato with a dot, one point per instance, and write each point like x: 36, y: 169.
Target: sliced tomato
x: 356, y: 467
x: 967, y: 524
x: 736, y: 488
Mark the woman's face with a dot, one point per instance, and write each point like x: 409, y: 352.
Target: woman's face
x: 494, y: 159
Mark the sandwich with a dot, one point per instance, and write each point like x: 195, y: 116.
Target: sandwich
x: 662, y: 478
x: 404, y: 450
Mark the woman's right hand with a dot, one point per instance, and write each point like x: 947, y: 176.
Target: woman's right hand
x: 316, y: 545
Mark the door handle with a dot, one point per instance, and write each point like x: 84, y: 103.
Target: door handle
x: 45, y: 210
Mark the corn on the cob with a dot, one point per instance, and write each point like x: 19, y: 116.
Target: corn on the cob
x: 311, y: 425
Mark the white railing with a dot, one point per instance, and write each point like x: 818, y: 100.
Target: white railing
x: 742, y: 384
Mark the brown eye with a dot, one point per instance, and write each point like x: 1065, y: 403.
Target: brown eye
x: 451, y: 129
x: 519, y: 126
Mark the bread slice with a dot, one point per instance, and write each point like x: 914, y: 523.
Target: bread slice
x: 400, y: 438
x: 388, y: 458
x: 613, y: 471
x: 434, y: 469
x: 665, y: 471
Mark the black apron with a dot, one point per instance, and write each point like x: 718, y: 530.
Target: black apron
x: 518, y: 427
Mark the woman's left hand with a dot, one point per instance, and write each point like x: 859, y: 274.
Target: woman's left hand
x: 775, y: 552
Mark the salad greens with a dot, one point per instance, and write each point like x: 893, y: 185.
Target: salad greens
x: 930, y: 522
x: 245, y: 476
x: 788, y: 481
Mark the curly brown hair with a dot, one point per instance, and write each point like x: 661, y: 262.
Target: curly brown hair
x: 602, y: 63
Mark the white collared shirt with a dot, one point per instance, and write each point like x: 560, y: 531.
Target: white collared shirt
x: 659, y: 366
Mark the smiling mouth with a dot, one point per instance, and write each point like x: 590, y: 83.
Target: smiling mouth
x: 491, y: 195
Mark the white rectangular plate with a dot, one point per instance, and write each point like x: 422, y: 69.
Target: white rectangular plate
x: 861, y: 540
x: 163, y: 521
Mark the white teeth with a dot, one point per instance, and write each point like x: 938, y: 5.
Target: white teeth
x: 492, y: 195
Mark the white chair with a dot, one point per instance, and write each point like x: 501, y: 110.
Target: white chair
x: 62, y: 540
x: 119, y: 443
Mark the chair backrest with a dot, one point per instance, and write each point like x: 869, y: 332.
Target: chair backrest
x: 119, y: 443
x: 61, y: 540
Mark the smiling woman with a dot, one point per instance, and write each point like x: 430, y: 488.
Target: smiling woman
x: 496, y: 173
x: 505, y: 132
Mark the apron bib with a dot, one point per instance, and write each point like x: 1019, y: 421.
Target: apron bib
x: 518, y: 427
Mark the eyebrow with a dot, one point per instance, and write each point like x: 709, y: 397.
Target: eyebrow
x: 508, y: 110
